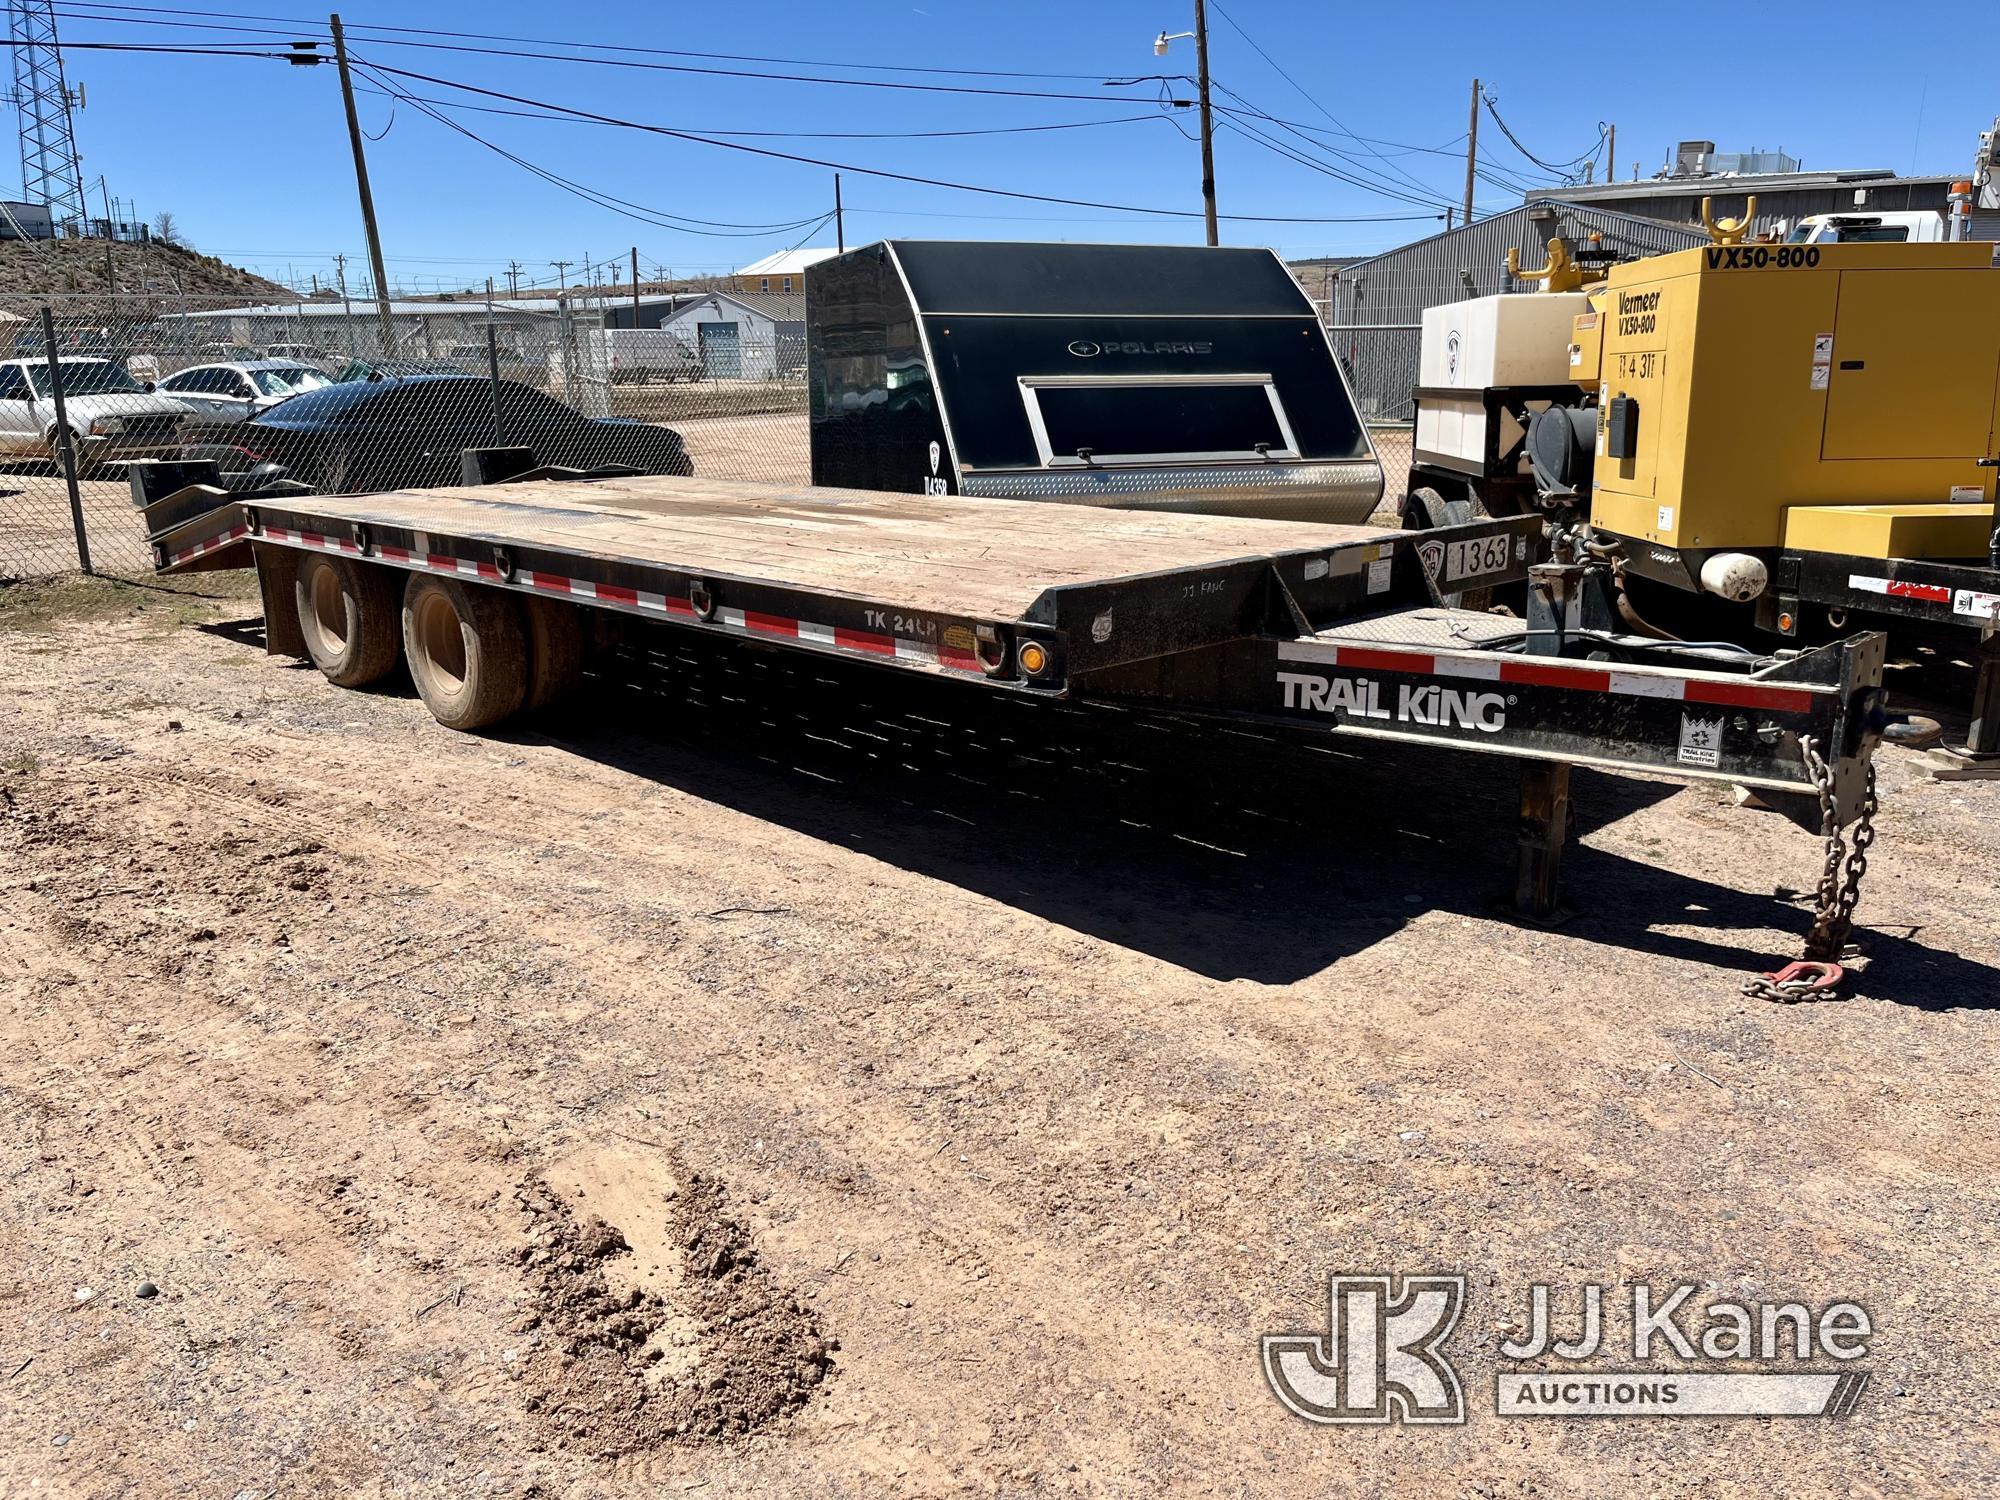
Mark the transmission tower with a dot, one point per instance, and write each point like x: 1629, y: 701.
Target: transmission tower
x: 51, y: 171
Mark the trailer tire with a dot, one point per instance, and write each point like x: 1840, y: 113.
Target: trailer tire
x: 555, y: 650
x: 347, y: 615
x: 467, y: 649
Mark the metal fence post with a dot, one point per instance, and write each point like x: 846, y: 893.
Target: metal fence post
x: 65, y: 447
x: 493, y: 379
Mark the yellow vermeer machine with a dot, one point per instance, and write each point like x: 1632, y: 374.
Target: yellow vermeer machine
x: 1806, y: 431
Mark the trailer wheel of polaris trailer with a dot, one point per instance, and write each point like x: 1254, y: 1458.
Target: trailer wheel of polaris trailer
x: 467, y: 649
x: 555, y: 650
x: 347, y: 614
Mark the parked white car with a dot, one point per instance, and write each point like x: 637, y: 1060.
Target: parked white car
x: 238, y: 390
x: 110, y: 414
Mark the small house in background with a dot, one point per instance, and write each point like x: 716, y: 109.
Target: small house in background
x: 744, y: 335
x: 780, y: 275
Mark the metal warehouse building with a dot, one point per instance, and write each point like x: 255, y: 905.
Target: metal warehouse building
x: 1783, y: 198
x: 1376, y: 305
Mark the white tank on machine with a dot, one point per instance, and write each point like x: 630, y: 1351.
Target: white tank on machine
x: 1506, y: 340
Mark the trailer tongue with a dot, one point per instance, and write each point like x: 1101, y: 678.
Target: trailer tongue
x: 1318, y: 628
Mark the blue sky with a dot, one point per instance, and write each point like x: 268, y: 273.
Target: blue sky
x: 251, y: 154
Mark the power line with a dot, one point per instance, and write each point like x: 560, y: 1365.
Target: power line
x: 299, y: 21
x: 622, y: 206
x: 1296, y: 85
x: 1567, y: 169
x: 807, y: 135
x: 811, y: 161
x: 688, y: 68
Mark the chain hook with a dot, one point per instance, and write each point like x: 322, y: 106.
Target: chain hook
x: 1818, y: 973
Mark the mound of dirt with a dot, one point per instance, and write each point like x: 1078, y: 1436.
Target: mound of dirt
x: 718, y: 1352
x: 33, y: 269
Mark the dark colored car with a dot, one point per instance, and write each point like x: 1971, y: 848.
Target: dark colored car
x: 396, y: 369
x: 407, y: 434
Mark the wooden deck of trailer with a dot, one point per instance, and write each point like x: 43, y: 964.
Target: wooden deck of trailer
x: 991, y: 558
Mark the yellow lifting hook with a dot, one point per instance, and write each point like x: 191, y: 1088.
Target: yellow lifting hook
x: 1561, y: 273
x: 1729, y: 231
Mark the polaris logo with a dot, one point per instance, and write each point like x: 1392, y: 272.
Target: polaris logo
x: 1414, y: 703
x: 1091, y: 348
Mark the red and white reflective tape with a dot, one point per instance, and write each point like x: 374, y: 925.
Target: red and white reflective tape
x: 842, y: 638
x: 213, y: 544
x: 641, y: 601
x: 1897, y: 588
x: 1532, y: 672
x: 315, y: 539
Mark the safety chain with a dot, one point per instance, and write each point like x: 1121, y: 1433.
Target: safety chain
x: 1839, y: 892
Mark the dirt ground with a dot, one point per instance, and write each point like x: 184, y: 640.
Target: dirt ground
x: 765, y: 1081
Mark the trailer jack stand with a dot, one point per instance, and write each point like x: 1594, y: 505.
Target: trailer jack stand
x: 1979, y: 757
x: 1544, y: 831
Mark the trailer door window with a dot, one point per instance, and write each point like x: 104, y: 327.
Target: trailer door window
x: 1093, y: 420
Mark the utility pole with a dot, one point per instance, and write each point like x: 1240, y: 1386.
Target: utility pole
x: 839, y: 222
x: 1207, y: 126
x: 1471, y: 150
x: 513, y: 278
x: 1611, y: 155
x: 346, y: 307
x: 1200, y: 35
x: 635, y: 286
x: 361, y: 183
x: 562, y: 281
x: 110, y: 234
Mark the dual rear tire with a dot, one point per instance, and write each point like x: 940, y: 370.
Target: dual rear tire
x: 477, y: 655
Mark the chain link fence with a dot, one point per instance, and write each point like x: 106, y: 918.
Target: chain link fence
x: 341, y: 398
x: 1381, y: 364
x: 332, y: 395
x: 1380, y: 360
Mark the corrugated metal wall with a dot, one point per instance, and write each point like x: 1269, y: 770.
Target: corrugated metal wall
x: 1778, y: 205
x: 1376, y: 305
x: 1396, y: 286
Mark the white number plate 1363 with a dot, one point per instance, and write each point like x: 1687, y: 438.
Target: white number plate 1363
x: 1488, y: 554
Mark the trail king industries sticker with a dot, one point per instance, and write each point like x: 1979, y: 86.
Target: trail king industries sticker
x: 1701, y: 742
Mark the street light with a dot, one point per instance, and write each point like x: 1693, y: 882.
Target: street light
x: 1200, y: 35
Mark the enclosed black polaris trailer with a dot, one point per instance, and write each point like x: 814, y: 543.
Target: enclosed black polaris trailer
x: 1153, y: 377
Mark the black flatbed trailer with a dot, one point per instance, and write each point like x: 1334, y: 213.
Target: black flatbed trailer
x: 1325, y: 629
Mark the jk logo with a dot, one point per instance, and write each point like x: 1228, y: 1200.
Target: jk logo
x: 1379, y: 1359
